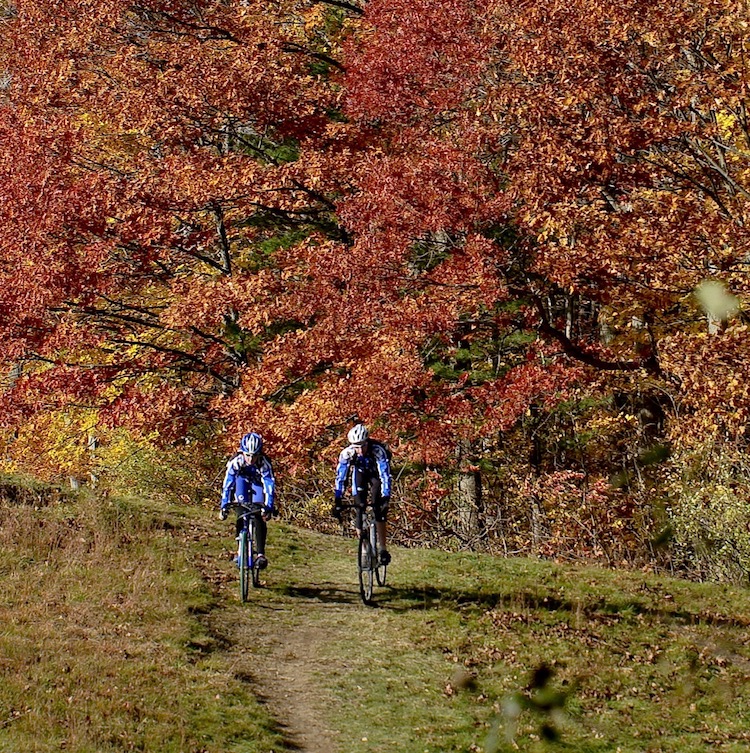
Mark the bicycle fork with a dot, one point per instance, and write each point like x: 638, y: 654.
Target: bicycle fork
x: 250, y: 552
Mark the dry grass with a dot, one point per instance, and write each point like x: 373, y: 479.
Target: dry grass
x: 100, y: 647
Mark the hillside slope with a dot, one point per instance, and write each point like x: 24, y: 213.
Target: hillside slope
x: 122, y: 630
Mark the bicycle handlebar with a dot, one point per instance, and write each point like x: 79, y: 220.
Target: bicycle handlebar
x: 250, y: 508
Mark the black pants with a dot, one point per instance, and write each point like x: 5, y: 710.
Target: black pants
x: 261, y: 529
x: 368, y: 492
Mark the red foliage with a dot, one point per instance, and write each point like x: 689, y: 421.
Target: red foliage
x: 435, y: 216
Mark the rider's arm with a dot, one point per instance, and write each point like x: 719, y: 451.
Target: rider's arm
x: 342, y: 471
x: 269, y: 483
x: 384, y: 470
x: 230, y: 479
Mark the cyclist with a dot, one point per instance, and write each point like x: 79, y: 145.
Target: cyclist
x: 370, y: 464
x: 249, y: 480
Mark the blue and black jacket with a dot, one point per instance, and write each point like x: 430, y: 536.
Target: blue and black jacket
x: 375, y: 461
x: 254, y: 482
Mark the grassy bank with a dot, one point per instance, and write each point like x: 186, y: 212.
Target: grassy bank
x: 468, y: 652
x: 121, y: 630
x: 101, y: 645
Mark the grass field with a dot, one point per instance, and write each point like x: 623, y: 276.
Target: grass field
x: 121, y: 630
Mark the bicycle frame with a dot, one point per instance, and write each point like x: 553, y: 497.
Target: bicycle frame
x: 246, y: 556
x: 368, y: 564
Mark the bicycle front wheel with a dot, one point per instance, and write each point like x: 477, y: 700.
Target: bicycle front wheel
x: 244, y: 563
x: 366, y: 564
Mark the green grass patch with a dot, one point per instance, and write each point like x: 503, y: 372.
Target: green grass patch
x: 471, y: 652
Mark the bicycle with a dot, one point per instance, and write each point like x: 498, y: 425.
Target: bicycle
x: 246, y: 555
x: 369, y: 568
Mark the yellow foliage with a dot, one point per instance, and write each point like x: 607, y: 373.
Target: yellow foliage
x: 53, y: 444
x: 315, y: 17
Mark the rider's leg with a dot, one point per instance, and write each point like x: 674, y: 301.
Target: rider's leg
x: 253, y: 493
x: 360, y: 502
x: 241, y: 490
x: 362, y: 485
x: 261, y: 530
x: 381, y: 513
x: 381, y: 524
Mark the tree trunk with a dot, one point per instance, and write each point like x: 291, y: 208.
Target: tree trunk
x: 536, y: 511
x: 469, y: 495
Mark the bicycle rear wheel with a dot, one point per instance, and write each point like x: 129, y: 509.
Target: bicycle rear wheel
x: 244, y: 563
x: 366, y: 565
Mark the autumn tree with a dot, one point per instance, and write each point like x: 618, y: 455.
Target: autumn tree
x: 161, y: 160
x: 596, y: 154
x: 466, y: 222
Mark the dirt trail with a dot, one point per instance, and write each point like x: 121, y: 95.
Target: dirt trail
x: 283, y: 676
x: 276, y: 648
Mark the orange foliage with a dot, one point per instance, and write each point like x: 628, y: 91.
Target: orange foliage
x: 436, y: 215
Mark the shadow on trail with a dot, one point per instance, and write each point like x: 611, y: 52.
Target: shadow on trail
x: 523, y: 603
x: 393, y: 598
x: 323, y: 594
x: 425, y: 598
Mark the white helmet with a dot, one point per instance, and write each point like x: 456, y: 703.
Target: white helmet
x: 357, y: 434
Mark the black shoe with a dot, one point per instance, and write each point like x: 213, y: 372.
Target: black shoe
x: 261, y: 562
x: 385, y: 557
